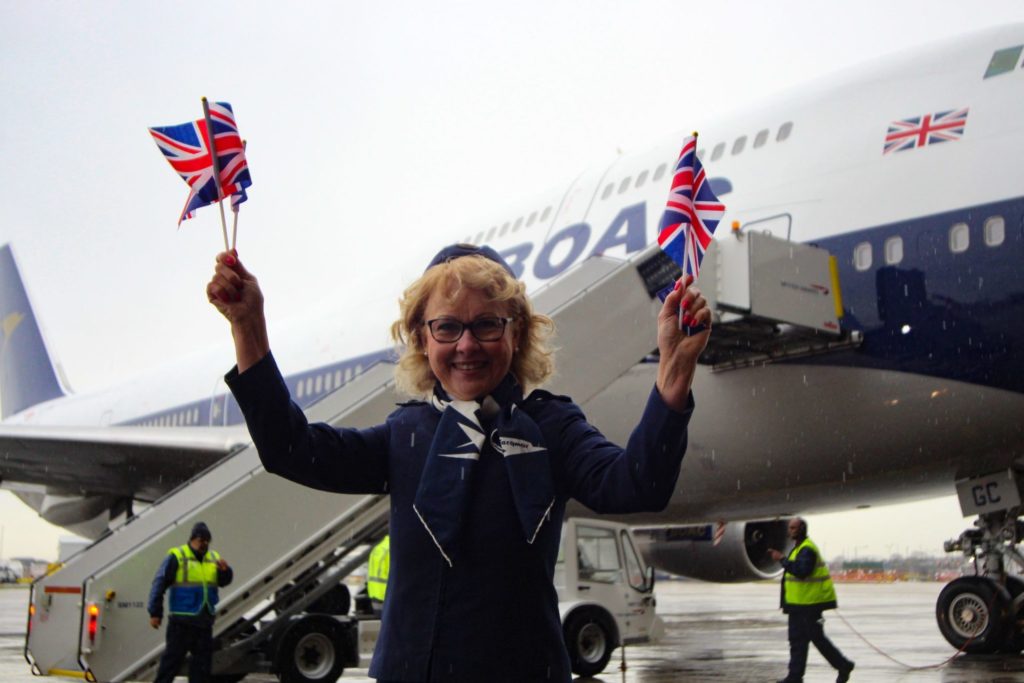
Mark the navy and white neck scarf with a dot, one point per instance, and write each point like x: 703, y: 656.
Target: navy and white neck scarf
x: 447, y: 479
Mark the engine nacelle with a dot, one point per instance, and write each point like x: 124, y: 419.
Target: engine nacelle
x: 740, y: 554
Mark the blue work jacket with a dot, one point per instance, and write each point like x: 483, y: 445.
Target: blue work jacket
x: 493, y: 615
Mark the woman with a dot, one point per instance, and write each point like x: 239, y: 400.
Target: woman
x: 478, y: 475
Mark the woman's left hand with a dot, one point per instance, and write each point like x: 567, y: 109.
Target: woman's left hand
x: 678, y: 350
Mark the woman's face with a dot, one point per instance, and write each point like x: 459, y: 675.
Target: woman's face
x: 468, y: 369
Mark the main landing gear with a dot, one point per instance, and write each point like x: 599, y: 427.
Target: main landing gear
x: 985, y: 613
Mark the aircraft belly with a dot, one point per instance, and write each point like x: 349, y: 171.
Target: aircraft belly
x: 787, y: 438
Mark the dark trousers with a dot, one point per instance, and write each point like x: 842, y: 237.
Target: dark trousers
x: 185, y: 636
x: 805, y: 627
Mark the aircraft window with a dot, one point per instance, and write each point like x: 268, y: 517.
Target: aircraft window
x: 348, y: 374
x: 995, y: 231
x: 893, y: 250
x: 195, y: 415
x: 1003, y: 61
x: 641, y: 179
x: 547, y: 212
x: 718, y: 151
x: 337, y: 378
x: 607, y: 191
x: 490, y: 233
x: 959, y: 238
x: 359, y: 369
x: 479, y: 237
x: 740, y: 143
x: 862, y: 256
x: 784, y: 131
x: 761, y: 138
x: 658, y: 172
x: 532, y: 219
x: 624, y: 185
x: 319, y: 384
x: 298, y: 389
x: 174, y: 420
x: 504, y: 229
x: 309, y: 386
x: 519, y: 224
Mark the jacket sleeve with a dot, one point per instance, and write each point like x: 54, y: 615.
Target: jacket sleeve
x: 163, y: 579
x: 607, y: 478
x: 803, y: 565
x: 316, y: 455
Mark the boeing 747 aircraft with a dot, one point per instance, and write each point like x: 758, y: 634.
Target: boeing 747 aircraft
x: 906, y: 170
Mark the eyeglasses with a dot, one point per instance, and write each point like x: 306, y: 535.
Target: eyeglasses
x: 449, y: 330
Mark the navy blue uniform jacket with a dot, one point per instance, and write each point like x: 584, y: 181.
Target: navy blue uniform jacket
x: 493, y: 615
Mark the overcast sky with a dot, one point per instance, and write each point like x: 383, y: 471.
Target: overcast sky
x: 376, y: 131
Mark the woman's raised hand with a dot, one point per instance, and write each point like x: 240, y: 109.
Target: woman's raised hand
x: 677, y: 348
x: 235, y: 292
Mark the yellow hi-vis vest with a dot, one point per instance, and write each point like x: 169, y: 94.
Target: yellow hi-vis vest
x: 195, y: 582
x: 377, y: 571
x: 815, y: 589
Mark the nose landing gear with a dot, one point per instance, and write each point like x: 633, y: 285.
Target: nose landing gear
x: 983, y: 613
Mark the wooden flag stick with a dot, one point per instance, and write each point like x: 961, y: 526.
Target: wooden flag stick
x: 689, y: 330
x: 216, y: 170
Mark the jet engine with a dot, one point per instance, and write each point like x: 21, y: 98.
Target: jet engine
x: 729, y: 553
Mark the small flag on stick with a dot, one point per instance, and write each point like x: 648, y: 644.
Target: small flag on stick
x: 691, y: 214
x: 187, y: 147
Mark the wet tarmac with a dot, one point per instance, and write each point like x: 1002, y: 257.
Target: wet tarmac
x: 727, y: 634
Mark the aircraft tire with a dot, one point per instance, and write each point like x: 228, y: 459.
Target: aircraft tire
x: 311, y: 651
x: 973, y: 614
x: 1013, y: 640
x: 590, y: 639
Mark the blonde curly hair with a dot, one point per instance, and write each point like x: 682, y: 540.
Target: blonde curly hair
x: 532, y: 363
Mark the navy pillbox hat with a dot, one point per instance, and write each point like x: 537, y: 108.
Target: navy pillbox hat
x: 200, y: 530
x: 454, y: 251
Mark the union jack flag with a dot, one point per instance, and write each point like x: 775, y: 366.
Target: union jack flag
x: 925, y: 130
x: 185, y: 147
x: 691, y: 214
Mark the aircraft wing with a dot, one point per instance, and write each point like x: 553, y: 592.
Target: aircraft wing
x: 125, y: 462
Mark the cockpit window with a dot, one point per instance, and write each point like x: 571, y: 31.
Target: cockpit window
x: 1003, y: 61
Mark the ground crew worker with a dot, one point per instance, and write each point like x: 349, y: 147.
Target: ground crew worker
x: 193, y: 572
x: 377, y: 573
x: 807, y: 591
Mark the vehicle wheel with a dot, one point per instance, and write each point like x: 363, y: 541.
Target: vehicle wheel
x: 590, y: 640
x: 311, y: 651
x: 337, y: 600
x: 1013, y: 640
x: 973, y: 613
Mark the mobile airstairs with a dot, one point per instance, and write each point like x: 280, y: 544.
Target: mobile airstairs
x: 290, y: 545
